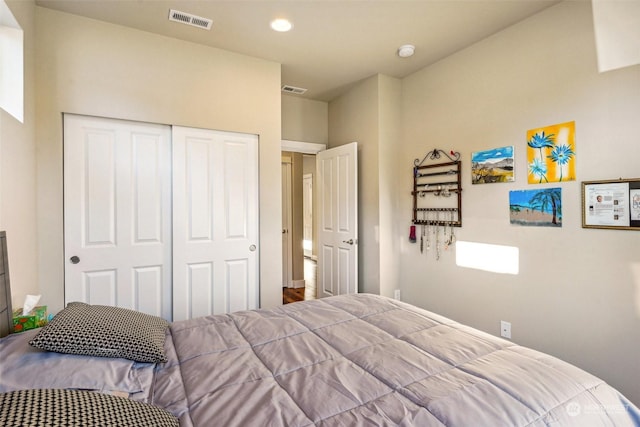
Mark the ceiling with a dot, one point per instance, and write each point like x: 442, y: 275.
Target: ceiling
x: 333, y: 43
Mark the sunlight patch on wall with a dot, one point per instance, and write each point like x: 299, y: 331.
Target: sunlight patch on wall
x: 488, y: 257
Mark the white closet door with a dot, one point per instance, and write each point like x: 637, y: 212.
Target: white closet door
x: 215, y: 222
x: 117, y: 213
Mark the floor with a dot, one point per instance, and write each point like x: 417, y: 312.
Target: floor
x: 290, y: 295
x: 309, y: 291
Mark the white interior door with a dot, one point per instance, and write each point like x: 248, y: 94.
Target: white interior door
x: 215, y: 222
x: 337, y: 215
x: 287, y: 221
x: 117, y: 213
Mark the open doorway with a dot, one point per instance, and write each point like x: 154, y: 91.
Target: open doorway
x: 299, y: 235
x: 309, y: 238
x: 335, y: 215
x: 299, y: 260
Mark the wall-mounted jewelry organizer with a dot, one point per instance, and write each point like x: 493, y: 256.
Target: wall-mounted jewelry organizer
x: 437, y: 198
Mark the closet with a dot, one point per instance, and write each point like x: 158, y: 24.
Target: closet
x: 161, y: 219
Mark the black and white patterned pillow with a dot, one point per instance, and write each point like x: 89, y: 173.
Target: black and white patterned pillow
x: 98, y: 330
x: 57, y: 408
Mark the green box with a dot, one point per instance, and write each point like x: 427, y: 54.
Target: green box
x: 35, y: 319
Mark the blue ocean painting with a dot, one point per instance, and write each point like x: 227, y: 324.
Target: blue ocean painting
x: 538, y: 208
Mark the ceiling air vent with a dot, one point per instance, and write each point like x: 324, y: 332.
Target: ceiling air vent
x: 293, y: 89
x: 189, y: 19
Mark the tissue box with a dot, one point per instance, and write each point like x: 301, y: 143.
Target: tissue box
x: 35, y: 319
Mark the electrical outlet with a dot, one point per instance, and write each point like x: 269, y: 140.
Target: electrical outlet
x: 396, y: 294
x: 505, y: 329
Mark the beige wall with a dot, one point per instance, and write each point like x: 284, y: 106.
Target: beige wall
x: 354, y: 117
x: 296, y: 187
x: 18, y: 171
x: 390, y: 99
x: 95, y: 68
x: 577, y: 295
x: 304, y: 120
x: 370, y: 115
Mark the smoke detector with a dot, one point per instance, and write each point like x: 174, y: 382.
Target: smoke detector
x: 406, y: 50
x: 190, y: 19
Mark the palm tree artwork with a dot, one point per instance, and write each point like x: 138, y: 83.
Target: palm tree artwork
x: 538, y: 208
x: 551, y: 153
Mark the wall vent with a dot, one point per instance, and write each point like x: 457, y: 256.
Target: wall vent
x: 293, y: 89
x: 189, y: 19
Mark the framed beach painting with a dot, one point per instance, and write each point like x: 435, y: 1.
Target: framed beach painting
x: 551, y: 153
x: 536, y: 208
x: 490, y: 166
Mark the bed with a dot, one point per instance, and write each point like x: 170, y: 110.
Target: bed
x: 353, y: 360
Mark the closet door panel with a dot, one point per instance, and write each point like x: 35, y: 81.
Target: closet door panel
x: 159, y: 219
x: 215, y: 221
x: 117, y: 211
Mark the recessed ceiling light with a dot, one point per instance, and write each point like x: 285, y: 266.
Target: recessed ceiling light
x: 281, y: 25
x: 406, y: 50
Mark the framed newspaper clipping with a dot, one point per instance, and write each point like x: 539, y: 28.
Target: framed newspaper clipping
x: 611, y: 204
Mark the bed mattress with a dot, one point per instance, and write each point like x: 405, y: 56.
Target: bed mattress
x: 369, y: 360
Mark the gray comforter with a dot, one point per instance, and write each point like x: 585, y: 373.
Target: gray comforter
x: 371, y: 361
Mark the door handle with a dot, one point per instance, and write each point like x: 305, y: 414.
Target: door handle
x: 74, y: 259
x: 348, y: 242
x: 252, y: 248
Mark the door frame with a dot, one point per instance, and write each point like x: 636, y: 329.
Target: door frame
x: 287, y: 223
x: 302, y: 147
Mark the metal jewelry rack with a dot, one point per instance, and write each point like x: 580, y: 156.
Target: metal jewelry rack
x: 437, y: 197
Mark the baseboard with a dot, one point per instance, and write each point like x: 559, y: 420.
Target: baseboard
x: 295, y: 284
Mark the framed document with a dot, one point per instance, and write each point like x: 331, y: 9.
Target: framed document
x: 611, y: 204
